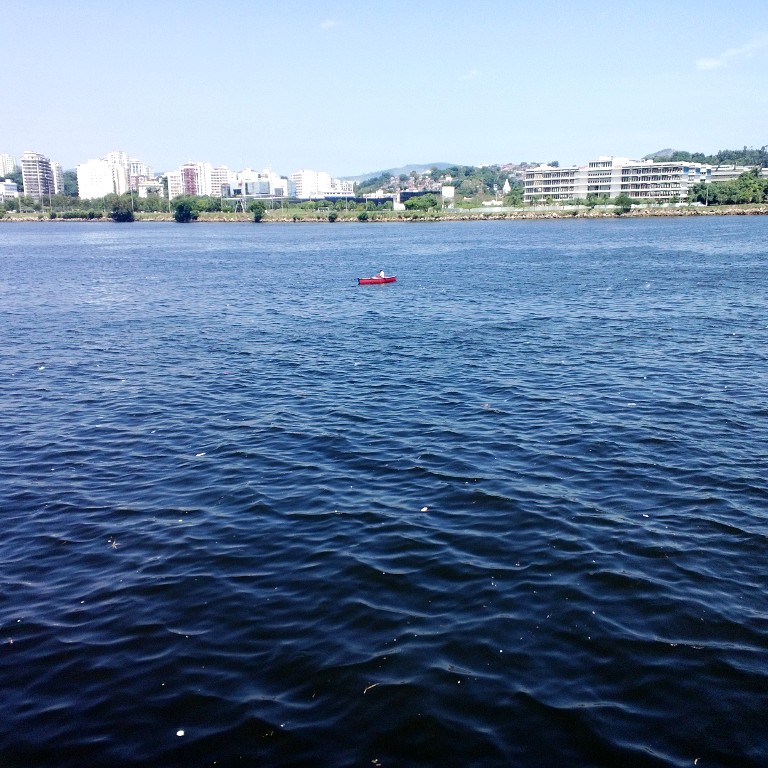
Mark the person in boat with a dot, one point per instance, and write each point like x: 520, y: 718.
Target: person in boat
x: 380, y: 273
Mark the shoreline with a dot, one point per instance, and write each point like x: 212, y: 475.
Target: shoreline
x: 753, y: 209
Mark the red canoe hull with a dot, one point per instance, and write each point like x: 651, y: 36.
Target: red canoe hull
x: 375, y: 280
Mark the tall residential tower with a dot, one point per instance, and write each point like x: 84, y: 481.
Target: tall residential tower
x: 37, y: 173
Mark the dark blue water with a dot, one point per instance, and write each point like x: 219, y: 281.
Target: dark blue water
x: 511, y: 510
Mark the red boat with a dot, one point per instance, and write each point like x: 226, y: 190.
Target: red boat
x: 375, y: 280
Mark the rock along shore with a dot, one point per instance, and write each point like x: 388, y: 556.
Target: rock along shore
x: 453, y: 215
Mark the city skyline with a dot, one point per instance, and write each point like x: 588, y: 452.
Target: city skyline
x: 354, y: 89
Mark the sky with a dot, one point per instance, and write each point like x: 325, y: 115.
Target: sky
x: 355, y: 87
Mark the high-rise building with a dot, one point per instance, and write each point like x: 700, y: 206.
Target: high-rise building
x: 118, y: 157
x: 7, y: 165
x: 58, y: 178
x: 94, y: 179
x: 97, y: 178
x: 222, y: 180
x: 37, y: 174
x: 119, y: 178
x: 175, y: 188
x: 119, y: 164
x: 196, y: 178
x: 139, y: 173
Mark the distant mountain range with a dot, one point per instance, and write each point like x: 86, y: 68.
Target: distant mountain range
x: 406, y: 169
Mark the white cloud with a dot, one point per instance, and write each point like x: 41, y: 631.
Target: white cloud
x: 471, y: 75
x: 746, y: 51
x: 329, y: 24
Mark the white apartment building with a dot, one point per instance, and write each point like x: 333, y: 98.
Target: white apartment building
x: 97, y: 178
x: 175, y: 188
x: 127, y: 172
x: 196, y: 178
x: 7, y: 165
x: 612, y: 176
x: 222, y: 181
x: 9, y: 190
x: 58, y: 178
x: 545, y: 182
x: 107, y: 176
x: 37, y: 175
x: 118, y: 157
x: 313, y: 184
x: 138, y: 173
x: 94, y: 179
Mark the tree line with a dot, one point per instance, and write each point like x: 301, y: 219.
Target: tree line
x: 744, y: 156
x: 750, y: 187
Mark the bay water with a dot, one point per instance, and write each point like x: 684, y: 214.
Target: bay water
x: 511, y: 510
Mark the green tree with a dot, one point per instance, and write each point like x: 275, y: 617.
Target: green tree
x: 421, y: 203
x: 258, y: 209
x: 16, y: 175
x: 515, y: 195
x: 183, y: 212
x: 332, y: 216
x: 623, y: 203
x: 121, y: 212
x: 70, y: 183
x: 152, y: 203
x: 362, y: 216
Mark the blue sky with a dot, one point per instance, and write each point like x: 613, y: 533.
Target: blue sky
x: 356, y: 87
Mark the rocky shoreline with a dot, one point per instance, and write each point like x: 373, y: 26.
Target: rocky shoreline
x: 455, y: 215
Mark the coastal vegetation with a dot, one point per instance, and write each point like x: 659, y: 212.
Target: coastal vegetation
x: 184, y: 212
x: 258, y: 209
x: 121, y: 212
x: 745, y: 156
x: 747, y: 188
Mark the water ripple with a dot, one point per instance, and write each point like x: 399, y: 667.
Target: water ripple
x: 254, y: 514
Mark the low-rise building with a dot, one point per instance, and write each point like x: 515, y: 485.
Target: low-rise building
x: 731, y: 172
x: 9, y: 190
x: 609, y: 177
x: 319, y: 184
x: 264, y: 183
x: 148, y: 187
